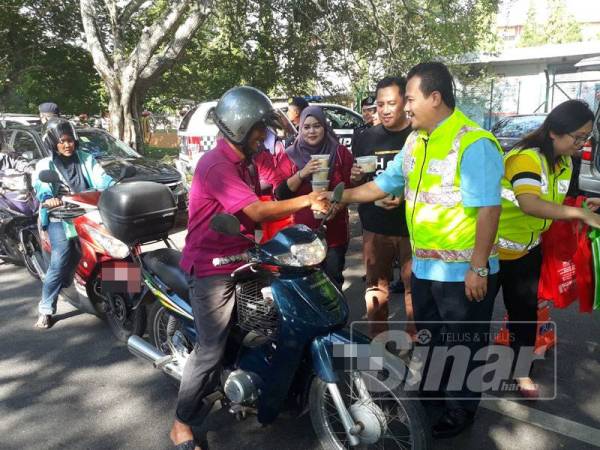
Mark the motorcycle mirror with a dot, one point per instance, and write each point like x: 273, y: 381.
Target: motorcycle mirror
x: 225, y: 224
x: 338, y: 192
x: 49, y: 176
x: 336, y: 197
x: 127, y: 171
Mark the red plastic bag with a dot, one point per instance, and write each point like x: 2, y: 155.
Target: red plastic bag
x: 567, y: 263
x: 584, y: 269
x: 270, y: 229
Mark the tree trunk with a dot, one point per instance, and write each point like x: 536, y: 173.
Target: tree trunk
x: 125, y: 117
x: 128, y: 74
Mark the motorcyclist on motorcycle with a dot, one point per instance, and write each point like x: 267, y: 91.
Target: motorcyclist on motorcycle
x: 222, y: 183
x: 79, y: 171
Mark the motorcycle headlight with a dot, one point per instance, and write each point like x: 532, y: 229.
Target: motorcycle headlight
x: 113, y: 246
x: 301, y: 255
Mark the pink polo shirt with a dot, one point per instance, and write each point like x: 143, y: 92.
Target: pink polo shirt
x: 221, y: 184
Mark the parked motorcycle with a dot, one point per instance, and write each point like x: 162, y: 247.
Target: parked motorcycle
x: 106, y: 237
x: 281, y: 351
x: 18, y: 216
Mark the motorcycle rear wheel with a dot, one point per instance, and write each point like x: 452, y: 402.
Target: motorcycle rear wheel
x: 407, y: 426
x: 125, y: 322
x: 162, y: 326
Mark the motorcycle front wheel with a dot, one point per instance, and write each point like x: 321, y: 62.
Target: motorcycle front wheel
x: 389, y: 420
x: 32, y: 253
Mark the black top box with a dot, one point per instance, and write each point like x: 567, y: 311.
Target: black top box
x: 138, y: 211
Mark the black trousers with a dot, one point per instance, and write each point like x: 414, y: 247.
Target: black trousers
x: 212, y: 302
x: 446, y: 303
x: 519, y: 279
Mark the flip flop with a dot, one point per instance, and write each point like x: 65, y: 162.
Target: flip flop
x: 187, y: 445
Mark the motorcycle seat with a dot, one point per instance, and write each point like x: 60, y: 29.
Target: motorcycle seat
x: 164, y: 263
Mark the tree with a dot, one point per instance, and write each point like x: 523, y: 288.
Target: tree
x: 560, y: 28
x: 367, y: 39
x: 132, y: 44
x: 40, y: 58
x: 288, y: 47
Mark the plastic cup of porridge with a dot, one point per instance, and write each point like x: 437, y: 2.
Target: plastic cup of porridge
x: 322, y: 176
x: 368, y: 164
x: 323, y: 160
x: 319, y: 186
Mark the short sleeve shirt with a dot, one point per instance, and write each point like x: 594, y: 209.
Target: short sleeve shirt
x: 222, y: 183
x: 481, y: 170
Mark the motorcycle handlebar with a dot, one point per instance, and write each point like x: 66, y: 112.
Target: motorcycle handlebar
x: 225, y: 260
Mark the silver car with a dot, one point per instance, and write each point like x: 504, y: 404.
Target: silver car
x: 589, y: 175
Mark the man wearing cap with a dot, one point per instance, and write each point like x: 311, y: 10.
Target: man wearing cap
x: 368, y: 110
x: 295, y: 107
x: 48, y: 111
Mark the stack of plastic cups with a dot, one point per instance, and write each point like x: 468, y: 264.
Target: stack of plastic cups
x: 320, y: 179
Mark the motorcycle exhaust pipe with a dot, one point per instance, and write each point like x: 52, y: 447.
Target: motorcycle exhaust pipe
x: 144, y: 350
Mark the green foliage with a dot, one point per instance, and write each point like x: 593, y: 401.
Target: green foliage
x: 560, y: 28
x: 284, y: 47
x: 40, y: 60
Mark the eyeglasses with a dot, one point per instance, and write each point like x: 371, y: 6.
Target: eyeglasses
x: 578, y: 140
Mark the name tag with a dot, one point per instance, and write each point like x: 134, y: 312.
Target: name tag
x: 563, y: 186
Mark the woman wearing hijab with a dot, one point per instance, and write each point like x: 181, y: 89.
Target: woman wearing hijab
x: 315, y: 137
x: 80, y: 172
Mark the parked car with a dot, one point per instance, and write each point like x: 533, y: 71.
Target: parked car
x: 589, y: 173
x: 511, y: 130
x: 110, y: 152
x: 198, y: 133
x: 10, y: 119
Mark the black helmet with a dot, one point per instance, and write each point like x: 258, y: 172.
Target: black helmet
x: 54, y: 129
x: 242, y: 108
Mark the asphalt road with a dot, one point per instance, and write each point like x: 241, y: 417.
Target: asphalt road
x: 76, y: 387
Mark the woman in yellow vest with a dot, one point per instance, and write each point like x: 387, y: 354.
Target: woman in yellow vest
x: 536, y: 179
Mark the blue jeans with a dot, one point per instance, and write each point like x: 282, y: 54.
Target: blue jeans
x: 63, y: 260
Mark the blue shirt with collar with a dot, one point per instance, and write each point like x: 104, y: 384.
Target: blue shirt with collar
x: 481, y: 170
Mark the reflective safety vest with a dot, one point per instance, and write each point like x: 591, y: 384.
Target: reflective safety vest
x: 440, y: 226
x: 519, y: 232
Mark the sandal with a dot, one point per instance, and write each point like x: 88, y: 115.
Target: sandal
x: 44, y: 321
x: 186, y: 445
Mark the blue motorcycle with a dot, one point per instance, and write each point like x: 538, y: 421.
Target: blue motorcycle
x: 289, y: 346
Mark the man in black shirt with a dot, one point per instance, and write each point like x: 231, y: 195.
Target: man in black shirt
x: 385, y: 234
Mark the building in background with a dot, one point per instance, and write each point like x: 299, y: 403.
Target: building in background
x: 525, y: 78
x: 512, y: 18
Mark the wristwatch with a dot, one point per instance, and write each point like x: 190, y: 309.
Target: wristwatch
x: 481, y: 271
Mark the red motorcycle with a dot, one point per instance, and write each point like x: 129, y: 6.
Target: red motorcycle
x: 101, y: 252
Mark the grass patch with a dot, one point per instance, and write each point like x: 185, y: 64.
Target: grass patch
x: 164, y: 154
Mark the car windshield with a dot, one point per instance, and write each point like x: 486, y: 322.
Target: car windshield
x: 516, y: 127
x: 103, y: 145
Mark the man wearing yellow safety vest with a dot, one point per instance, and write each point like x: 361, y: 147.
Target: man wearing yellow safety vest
x: 449, y: 172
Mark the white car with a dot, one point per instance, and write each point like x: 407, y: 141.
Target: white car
x: 9, y: 119
x: 198, y: 133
